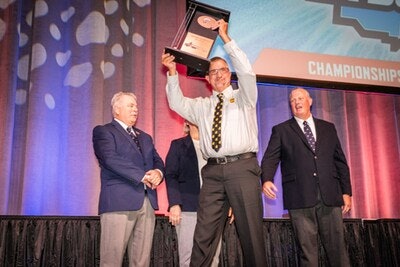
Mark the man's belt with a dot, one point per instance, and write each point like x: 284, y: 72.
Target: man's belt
x: 228, y: 159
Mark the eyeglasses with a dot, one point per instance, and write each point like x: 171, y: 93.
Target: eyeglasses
x: 215, y: 71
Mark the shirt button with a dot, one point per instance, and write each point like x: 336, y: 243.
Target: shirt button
x: 314, y: 174
x: 315, y: 157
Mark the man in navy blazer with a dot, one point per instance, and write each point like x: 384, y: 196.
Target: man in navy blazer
x: 131, y: 170
x: 315, y: 181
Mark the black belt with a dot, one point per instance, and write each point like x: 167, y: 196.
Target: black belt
x: 228, y: 159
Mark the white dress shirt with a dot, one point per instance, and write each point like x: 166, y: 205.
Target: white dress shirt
x: 239, y: 115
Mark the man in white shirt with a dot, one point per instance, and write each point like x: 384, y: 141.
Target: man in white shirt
x: 231, y: 177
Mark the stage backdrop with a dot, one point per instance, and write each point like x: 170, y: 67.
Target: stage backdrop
x: 60, y: 64
x: 348, y: 41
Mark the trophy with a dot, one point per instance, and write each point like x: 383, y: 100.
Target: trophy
x: 196, y: 36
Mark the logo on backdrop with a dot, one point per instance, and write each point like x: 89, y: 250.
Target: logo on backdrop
x: 377, y: 19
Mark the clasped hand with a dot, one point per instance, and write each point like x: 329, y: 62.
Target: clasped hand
x: 152, y: 179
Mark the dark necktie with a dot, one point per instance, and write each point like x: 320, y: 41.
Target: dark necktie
x: 216, y: 127
x: 134, y: 138
x: 309, y: 135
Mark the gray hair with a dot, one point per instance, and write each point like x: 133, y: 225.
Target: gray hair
x: 115, y: 99
x: 299, y: 88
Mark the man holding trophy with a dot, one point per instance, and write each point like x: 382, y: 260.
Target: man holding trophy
x: 227, y: 123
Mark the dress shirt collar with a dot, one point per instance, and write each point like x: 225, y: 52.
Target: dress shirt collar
x: 227, y: 92
x: 122, y: 124
x: 310, y: 122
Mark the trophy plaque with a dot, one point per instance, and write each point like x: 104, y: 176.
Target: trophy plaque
x: 196, y: 36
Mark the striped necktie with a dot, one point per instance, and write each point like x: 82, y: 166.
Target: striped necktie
x: 134, y: 138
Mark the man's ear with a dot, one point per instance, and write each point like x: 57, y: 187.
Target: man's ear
x: 208, y: 78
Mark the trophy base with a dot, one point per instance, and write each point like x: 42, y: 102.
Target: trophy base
x: 190, y: 60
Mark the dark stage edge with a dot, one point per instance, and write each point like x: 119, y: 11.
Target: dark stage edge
x: 74, y: 241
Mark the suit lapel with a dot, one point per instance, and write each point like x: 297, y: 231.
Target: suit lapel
x: 187, y: 141
x: 126, y: 134
x: 120, y: 129
x: 190, y: 149
x: 139, y: 137
x: 319, y: 129
x: 295, y: 126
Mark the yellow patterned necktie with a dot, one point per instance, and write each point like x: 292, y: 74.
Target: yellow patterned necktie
x: 216, y: 127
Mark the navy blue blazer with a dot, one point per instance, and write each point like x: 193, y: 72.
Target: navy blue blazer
x: 123, y: 167
x: 303, y: 171
x: 182, y: 174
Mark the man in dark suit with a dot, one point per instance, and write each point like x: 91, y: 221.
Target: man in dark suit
x: 315, y: 180
x: 131, y: 169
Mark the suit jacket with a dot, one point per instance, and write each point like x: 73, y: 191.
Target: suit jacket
x: 182, y: 174
x: 303, y: 171
x: 123, y: 167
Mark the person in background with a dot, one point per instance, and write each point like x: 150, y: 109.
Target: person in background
x: 315, y: 180
x: 227, y: 122
x: 131, y: 170
x: 182, y: 177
